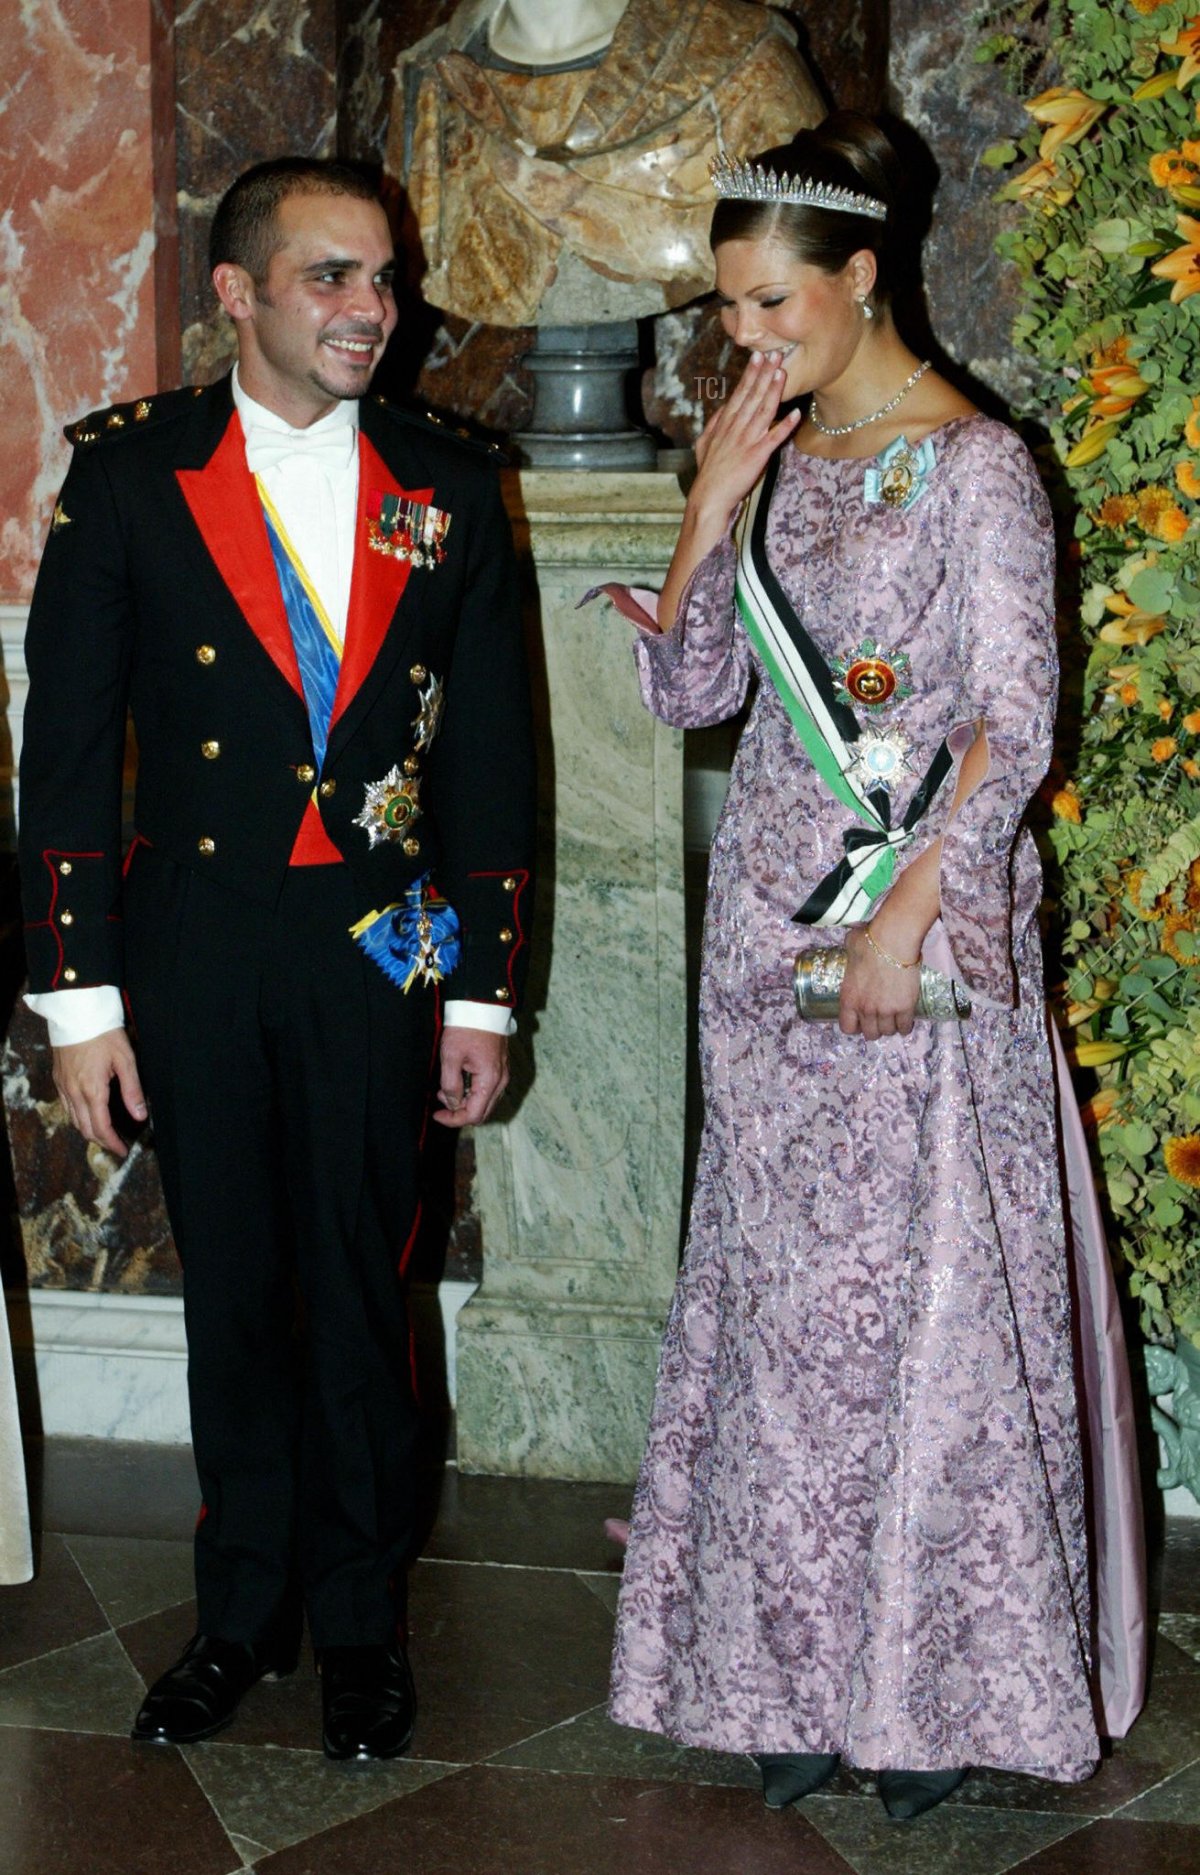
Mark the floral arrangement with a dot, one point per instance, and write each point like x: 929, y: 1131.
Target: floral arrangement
x: 1107, y: 243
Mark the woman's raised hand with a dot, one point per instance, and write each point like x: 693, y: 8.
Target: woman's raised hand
x: 731, y: 455
x: 739, y: 440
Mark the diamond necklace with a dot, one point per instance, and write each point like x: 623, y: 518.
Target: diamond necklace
x: 847, y: 429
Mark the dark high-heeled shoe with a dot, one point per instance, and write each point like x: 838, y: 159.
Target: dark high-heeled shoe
x: 789, y: 1775
x: 907, y: 1794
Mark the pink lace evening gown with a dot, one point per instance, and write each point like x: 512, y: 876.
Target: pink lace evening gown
x: 860, y: 1522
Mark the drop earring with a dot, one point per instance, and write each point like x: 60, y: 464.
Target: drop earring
x: 865, y: 307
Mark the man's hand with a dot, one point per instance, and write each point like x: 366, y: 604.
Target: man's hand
x: 84, y: 1074
x: 474, y: 1074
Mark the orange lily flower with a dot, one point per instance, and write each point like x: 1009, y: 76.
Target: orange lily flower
x: 1117, y: 389
x: 1182, y: 266
x: 1185, y: 46
x: 1042, y: 185
x: 1067, y: 114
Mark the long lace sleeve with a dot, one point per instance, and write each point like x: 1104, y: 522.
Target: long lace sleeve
x: 1006, y: 653
x: 697, y: 673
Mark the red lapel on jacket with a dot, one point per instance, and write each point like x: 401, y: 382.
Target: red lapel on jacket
x: 226, y: 508
x: 377, y: 581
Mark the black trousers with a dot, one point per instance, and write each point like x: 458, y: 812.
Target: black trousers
x: 287, y: 1081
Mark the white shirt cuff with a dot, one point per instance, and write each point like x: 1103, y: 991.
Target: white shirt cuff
x: 79, y: 1015
x: 465, y: 1015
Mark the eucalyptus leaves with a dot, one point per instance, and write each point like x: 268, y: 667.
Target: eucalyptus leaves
x: 1108, y: 248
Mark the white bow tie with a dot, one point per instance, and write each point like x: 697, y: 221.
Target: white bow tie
x: 333, y: 448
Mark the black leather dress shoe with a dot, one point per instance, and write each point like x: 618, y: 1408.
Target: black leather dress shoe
x: 199, y: 1695
x: 368, y: 1702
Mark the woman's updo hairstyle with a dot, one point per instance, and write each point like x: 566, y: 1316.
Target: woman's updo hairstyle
x: 846, y: 151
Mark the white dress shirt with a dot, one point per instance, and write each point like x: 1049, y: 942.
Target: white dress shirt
x: 311, y: 477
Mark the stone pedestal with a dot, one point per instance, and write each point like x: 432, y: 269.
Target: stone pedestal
x: 580, y: 1182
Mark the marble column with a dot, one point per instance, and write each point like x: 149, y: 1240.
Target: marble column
x: 581, y: 1182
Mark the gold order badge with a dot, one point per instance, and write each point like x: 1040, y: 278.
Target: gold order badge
x: 873, y: 677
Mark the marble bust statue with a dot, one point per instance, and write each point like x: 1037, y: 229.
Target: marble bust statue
x: 556, y: 152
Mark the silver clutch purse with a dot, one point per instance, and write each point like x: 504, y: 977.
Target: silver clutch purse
x: 818, y: 983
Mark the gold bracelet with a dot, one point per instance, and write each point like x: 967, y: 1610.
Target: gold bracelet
x: 897, y: 962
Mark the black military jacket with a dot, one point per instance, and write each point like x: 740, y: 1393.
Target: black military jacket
x: 157, y: 596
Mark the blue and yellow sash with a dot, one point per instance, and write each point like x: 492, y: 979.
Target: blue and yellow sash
x: 318, y: 647
x: 826, y: 726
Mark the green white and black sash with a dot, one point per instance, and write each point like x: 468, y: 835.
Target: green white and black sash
x: 827, y: 727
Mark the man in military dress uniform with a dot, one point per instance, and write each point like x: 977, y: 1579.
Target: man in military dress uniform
x: 308, y: 603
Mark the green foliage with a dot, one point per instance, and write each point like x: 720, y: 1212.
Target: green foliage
x: 1107, y: 244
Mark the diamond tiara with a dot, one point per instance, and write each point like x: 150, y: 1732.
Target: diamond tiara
x: 750, y: 182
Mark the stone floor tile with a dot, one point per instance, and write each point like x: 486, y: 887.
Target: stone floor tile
x: 592, y: 1745
x: 113, y: 1487
x: 132, y: 1577
x: 1175, y: 1800
x: 54, y: 1610
x: 268, y: 1798
x: 606, y: 1587
x: 500, y: 1654
x: 1115, y: 1847
x: 1183, y: 1631
x: 966, y: 1841
x: 540, y: 1522
x: 1178, y: 1578
x: 1165, y: 1738
x: 1169, y: 1658
x: 90, y: 1687
x: 79, y: 1805
x: 486, y: 1821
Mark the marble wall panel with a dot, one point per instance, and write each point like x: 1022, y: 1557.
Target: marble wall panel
x: 957, y: 108
x: 88, y: 1221
x: 77, y: 249
x: 250, y: 82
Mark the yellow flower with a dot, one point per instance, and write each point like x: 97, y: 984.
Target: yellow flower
x: 1181, y: 1155
x: 1067, y: 115
x: 1066, y: 804
x: 1094, y: 441
x: 1041, y: 186
x: 1116, y: 511
x: 1191, y: 428
x: 1130, y: 627
x: 1148, y: 6
x: 1183, y: 264
x: 1159, y: 514
x: 1166, y: 709
x: 1191, y: 895
x: 1163, y: 748
x: 1187, y: 480
x: 1128, y: 693
x: 1173, y: 924
x: 1099, y: 1109
x: 1185, y: 46
x: 1171, y: 170
x: 1098, y: 1054
x: 1190, y: 768
x: 1191, y: 723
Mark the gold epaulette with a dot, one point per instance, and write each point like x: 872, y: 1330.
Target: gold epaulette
x: 445, y: 427
x: 104, y: 425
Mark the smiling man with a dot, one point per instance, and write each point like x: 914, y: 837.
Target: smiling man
x: 308, y: 604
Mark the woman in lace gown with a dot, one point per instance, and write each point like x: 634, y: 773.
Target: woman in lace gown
x: 859, y: 1531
